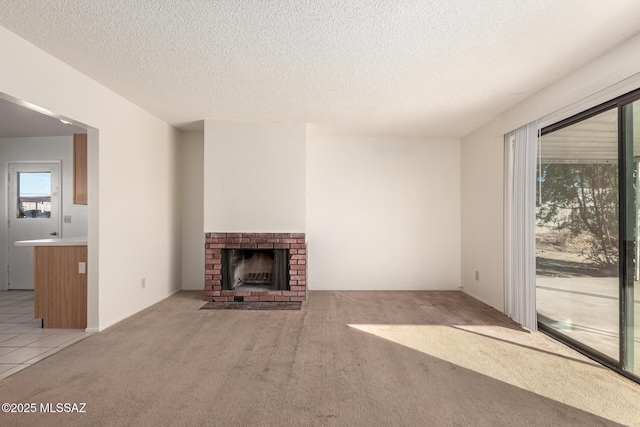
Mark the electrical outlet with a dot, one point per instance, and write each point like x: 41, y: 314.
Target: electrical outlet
x: 477, y: 275
x: 67, y: 219
x: 82, y: 268
x: 143, y: 283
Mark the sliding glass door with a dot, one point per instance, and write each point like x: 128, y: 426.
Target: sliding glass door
x: 630, y: 306
x: 586, y: 232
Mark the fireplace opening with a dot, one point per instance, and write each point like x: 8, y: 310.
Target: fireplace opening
x: 255, y: 270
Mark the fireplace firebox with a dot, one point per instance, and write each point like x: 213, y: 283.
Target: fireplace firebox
x: 255, y: 270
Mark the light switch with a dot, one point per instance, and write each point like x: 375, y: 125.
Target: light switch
x: 67, y: 219
x: 82, y: 267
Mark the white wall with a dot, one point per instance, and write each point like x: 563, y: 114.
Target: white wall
x: 481, y: 190
x: 41, y: 148
x: 254, y: 177
x: 383, y: 213
x: 192, y: 205
x: 134, y: 230
x: 608, y: 76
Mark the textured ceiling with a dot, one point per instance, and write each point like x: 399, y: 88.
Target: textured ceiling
x: 428, y: 68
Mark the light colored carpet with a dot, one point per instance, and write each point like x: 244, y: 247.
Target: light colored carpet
x: 345, y: 359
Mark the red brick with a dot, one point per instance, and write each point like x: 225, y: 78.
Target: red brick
x: 243, y: 294
x: 209, y: 272
x: 298, y: 278
x: 217, y: 287
x: 293, y: 262
x: 302, y: 294
x: 293, y: 251
x: 209, y: 282
x: 298, y: 288
x: 217, y: 277
x: 298, y: 246
x: 265, y: 246
x: 281, y: 235
x: 227, y: 293
x: 266, y: 298
x: 293, y: 282
x: 302, y: 282
x: 265, y: 234
x: 208, y: 293
x: 289, y: 241
x: 251, y: 299
x: 302, y: 261
x: 297, y: 235
x: 281, y: 298
x: 274, y: 293
x: 208, y: 277
x: 217, y: 235
x: 234, y: 246
x: 298, y: 267
x: 301, y: 299
x: 216, y: 246
x: 244, y: 240
x: 302, y: 251
x: 208, y: 287
x: 273, y: 240
x: 221, y: 299
x: 216, y: 293
x: 300, y: 241
x: 234, y: 234
x: 250, y: 235
x: 217, y: 255
x: 208, y: 256
x: 256, y: 294
x: 289, y: 293
x: 280, y: 246
x: 248, y: 246
x: 298, y: 256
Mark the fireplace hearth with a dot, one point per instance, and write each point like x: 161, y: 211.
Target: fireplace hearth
x: 268, y: 267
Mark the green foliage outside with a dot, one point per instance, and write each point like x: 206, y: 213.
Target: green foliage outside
x: 584, y: 200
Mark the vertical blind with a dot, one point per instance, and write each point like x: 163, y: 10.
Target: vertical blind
x: 520, y: 152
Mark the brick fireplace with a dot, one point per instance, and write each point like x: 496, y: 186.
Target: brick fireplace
x: 295, y: 245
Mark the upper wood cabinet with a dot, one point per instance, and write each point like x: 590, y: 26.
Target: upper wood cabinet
x: 80, y: 169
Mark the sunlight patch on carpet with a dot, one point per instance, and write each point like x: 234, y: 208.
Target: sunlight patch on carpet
x: 505, y: 355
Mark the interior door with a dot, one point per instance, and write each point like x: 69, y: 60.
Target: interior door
x: 34, y: 213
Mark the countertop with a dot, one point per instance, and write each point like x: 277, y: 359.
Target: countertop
x: 62, y: 241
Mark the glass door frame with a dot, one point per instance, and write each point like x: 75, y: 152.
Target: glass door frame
x: 626, y: 249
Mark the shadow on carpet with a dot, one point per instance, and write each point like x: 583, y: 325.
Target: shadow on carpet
x: 252, y: 305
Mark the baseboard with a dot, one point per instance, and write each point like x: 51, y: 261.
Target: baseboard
x: 482, y: 300
x: 118, y: 320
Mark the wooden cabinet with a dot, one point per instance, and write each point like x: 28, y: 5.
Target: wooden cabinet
x: 60, y: 289
x: 80, y: 169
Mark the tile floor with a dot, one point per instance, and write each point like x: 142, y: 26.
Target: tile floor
x: 22, y: 340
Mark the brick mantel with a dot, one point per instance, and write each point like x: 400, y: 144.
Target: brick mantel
x: 294, y: 242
